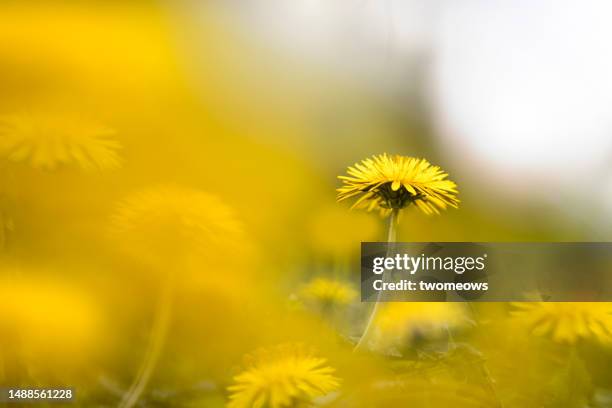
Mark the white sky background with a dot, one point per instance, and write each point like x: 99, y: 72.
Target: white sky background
x: 521, y: 89
x: 526, y: 88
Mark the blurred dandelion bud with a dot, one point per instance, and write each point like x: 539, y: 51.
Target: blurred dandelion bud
x: 169, y: 224
x: 566, y: 322
x: 167, y: 227
x: 282, y: 376
x: 328, y: 293
x: 405, y: 324
x: 48, y: 140
x: 388, y: 183
x: 336, y: 233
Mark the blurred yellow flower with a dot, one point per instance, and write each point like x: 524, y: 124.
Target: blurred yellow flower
x: 329, y: 292
x: 386, y: 183
x: 567, y: 322
x: 334, y: 231
x: 175, y: 221
x: 50, y: 139
x: 283, y: 376
x: 168, y: 226
x: 406, y: 321
x: 46, y: 315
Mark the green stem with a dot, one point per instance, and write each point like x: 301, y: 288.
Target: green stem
x: 159, y: 332
x: 391, y: 237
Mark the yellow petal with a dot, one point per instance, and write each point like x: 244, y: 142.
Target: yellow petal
x: 410, y: 189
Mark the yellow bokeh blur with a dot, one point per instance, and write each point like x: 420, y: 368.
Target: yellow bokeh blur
x: 167, y: 211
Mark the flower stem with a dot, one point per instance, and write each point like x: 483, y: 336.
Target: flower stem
x: 159, y: 332
x: 391, y: 237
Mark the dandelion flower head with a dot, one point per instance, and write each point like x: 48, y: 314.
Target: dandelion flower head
x: 329, y: 292
x: 567, y: 322
x: 47, y: 140
x: 283, y: 376
x: 385, y: 183
x: 175, y: 221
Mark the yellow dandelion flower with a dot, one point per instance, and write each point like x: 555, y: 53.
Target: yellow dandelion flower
x: 284, y: 376
x: 567, y: 322
x: 407, y: 321
x: 329, y: 292
x: 48, y: 140
x: 389, y: 183
x: 176, y: 221
x: 167, y: 226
